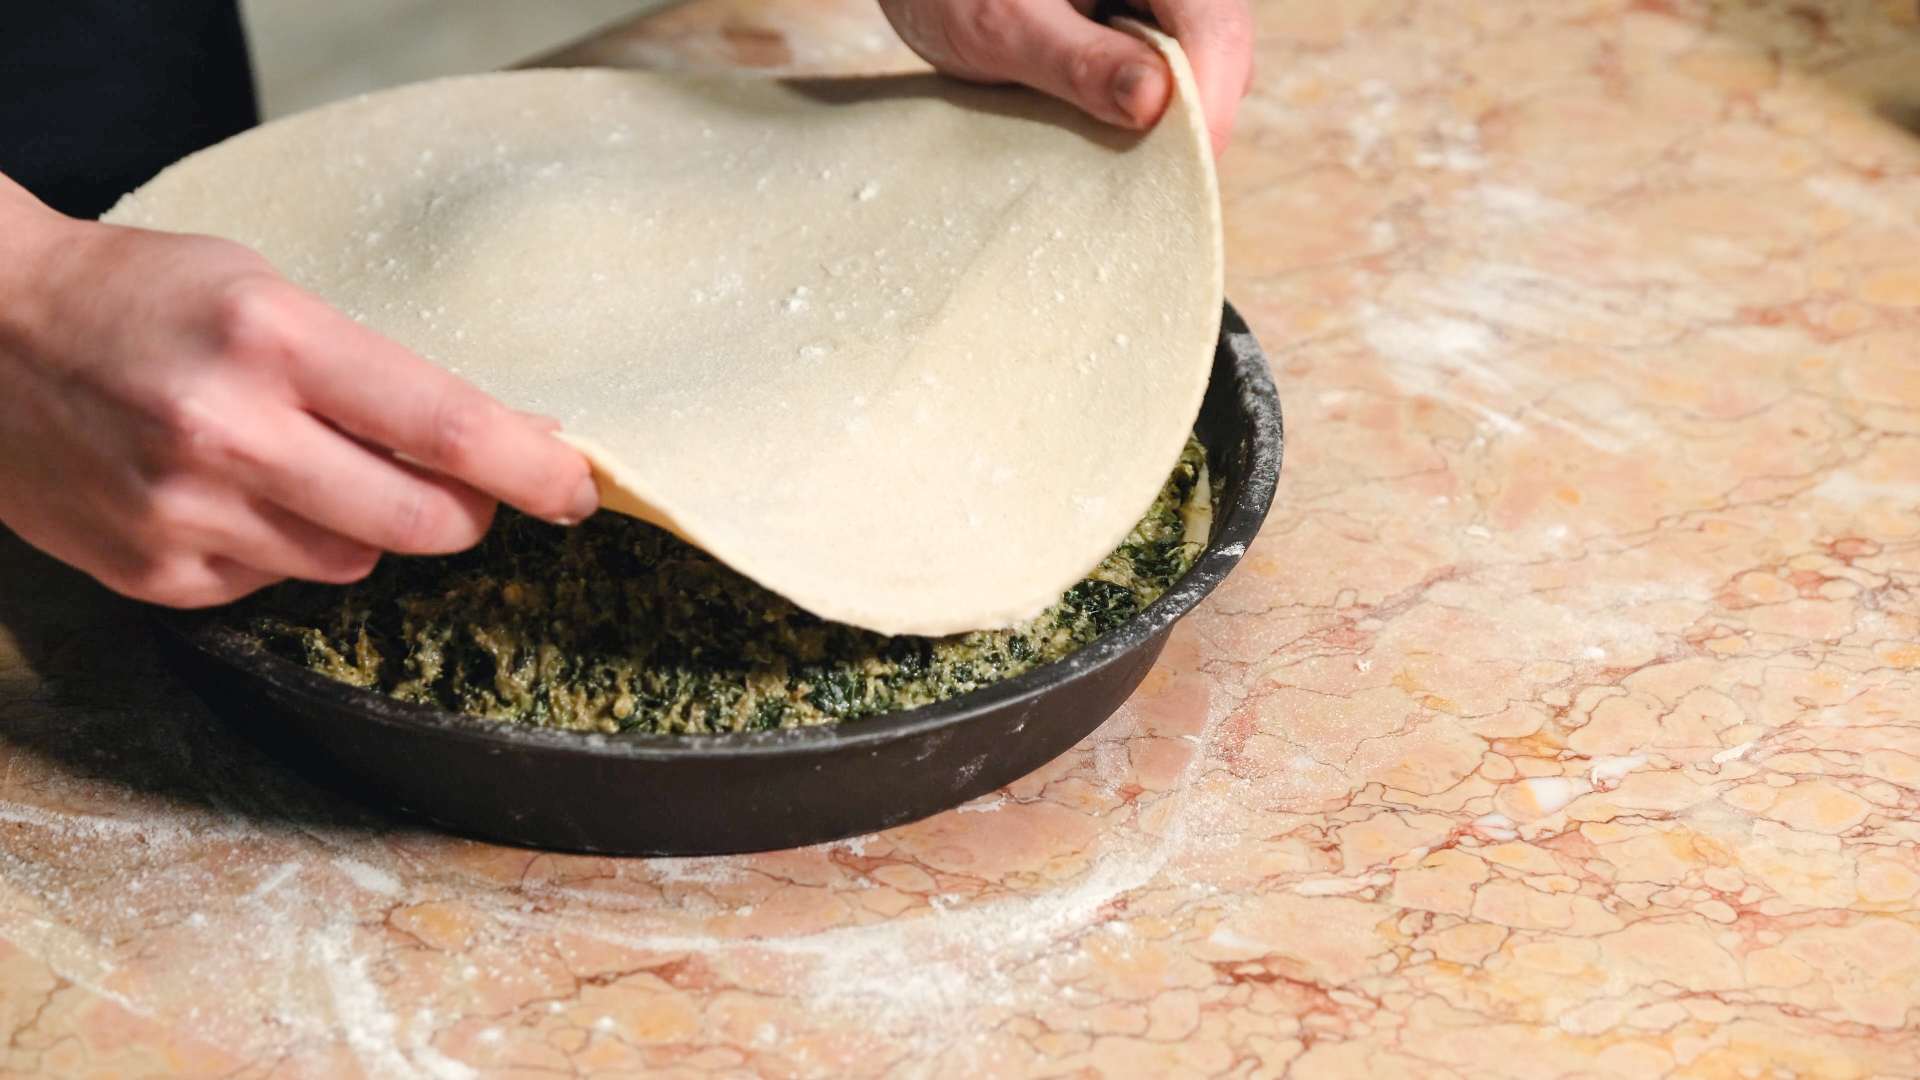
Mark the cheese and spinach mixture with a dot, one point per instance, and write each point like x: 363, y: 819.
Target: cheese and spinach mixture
x: 616, y: 625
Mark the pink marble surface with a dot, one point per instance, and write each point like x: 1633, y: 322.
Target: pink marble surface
x: 1563, y: 721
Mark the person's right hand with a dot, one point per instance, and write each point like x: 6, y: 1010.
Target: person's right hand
x: 186, y: 426
x: 1055, y: 47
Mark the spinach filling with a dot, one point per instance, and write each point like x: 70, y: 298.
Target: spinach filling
x: 616, y: 625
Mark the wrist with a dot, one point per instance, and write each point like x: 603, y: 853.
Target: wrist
x: 31, y: 233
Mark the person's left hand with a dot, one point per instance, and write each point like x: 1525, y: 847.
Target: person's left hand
x: 1052, y: 46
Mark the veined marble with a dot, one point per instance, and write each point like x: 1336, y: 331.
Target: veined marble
x: 1562, y: 722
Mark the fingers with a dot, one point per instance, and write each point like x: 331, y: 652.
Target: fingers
x: 249, y: 544
x: 228, y: 580
x: 384, y: 394
x: 275, y: 541
x: 360, y: 494
x: 544, y: 424
x: 1217, y: 36
x: 1050, y: 46
x: 179, y: 579
x: 190, y: 581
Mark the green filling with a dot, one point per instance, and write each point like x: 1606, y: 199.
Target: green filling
x: 619, y: 626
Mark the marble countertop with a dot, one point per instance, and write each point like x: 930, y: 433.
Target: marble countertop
x: 1563, y: 721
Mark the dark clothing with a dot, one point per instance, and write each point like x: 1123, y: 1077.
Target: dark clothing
x: 98, y: 95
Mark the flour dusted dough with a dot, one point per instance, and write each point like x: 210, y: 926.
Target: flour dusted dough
x: 912, y: 353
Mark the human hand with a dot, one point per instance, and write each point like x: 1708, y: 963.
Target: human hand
x: 183, y: 424
x: 1052, y: 46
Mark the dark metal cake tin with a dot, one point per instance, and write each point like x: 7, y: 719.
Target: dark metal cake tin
x: 687, y: 795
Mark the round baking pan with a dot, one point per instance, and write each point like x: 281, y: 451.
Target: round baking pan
x: 713, y: 794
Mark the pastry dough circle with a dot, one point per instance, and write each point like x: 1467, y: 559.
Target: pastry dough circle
x: 913, y: 353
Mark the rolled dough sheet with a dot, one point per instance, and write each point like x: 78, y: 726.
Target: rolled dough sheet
x: 913, y: 353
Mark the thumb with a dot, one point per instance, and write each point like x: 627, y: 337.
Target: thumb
x: 1218, y: 38
x: 1051, y: 47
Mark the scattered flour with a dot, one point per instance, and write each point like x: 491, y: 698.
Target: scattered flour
x: 370, y: 1028
x: 371, y: 878
x: 274, y: 880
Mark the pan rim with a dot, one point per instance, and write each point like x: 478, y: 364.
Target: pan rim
x: 1234, y: 529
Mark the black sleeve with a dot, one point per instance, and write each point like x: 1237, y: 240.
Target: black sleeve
x: 98, y: 95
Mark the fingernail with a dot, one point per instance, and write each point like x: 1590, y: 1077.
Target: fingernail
x: 586, y: 499
x: 1127, y: 86
x: 540, y: 421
